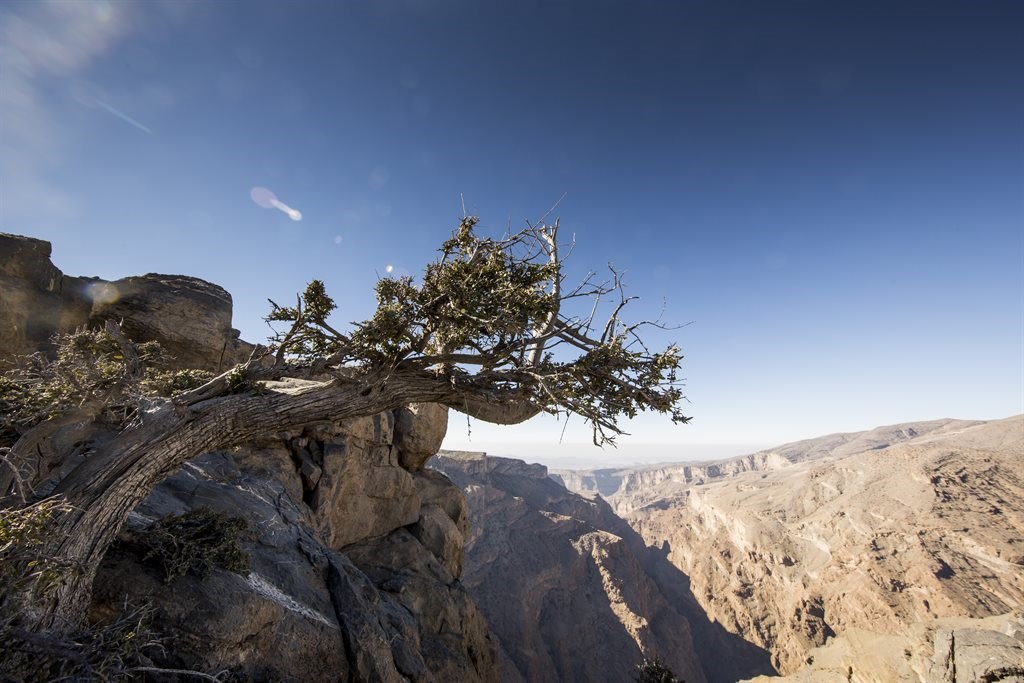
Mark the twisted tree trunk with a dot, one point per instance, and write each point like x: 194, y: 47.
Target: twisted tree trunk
x: 113, y: 481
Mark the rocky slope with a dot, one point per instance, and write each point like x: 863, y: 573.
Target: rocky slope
x: 946, y: 650
x: 355, y: 552
x: 844, y: 536
x: 571, y: 591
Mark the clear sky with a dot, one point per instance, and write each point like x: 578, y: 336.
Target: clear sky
x: 831, y: 194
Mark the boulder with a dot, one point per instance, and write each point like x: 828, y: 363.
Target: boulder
x: 360, y: 492
x: 419, y: 431
x: 437, y: 489
x: 454, y: 642
x: 28, y: 259
x: 980, y: 654
x: 191, y: 318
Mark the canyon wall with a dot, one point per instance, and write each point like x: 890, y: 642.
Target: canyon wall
x: 571, y: 592
x: 821, y: 542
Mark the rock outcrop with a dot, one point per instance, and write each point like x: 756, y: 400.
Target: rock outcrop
x: 419, y: 432
x: 355, y: 552
x: 946, y: 650
x: 354, y: 571
x: 867, y: 533
x: 191, y: 318
x: 571, y: 592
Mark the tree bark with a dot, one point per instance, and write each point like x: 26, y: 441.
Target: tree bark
x: 103, y: 490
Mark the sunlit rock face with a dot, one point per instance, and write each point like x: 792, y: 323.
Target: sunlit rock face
x: 355, y: 565
x: 571, y: 592
x: 36, y: 299
x: 191, y: 318
x: 848, y: 542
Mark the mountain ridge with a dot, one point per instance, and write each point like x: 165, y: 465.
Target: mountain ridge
x: 891, y: 527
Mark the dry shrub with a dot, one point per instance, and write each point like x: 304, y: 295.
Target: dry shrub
x: 197, y: 541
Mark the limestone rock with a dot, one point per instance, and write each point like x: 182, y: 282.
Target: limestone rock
x: 36, y: 300
x: 979, y: 654
x: 361, y: 491
x: 859, y: 533
x: 28, y: 259
x: 947, y: 650
x: 436, y: 489
x: 386, y: 608
x: 454, y: 642
x: 419, y: 431
x: 228, y: 621
x: 441, y: 536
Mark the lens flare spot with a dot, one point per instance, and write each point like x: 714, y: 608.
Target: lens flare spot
x: 337, y: 239
x: 263, y: 197
x: 103, y: 293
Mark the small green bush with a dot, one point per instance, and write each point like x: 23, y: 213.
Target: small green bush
x: 655, y: 671
x: 85, y: 365
x: 173, y: 382
x: 198, y: 541
x: 23, y: 532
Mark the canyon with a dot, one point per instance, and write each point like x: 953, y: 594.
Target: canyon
x: 855, y: 555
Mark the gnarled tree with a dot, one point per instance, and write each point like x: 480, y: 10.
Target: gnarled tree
x: 491, y: 330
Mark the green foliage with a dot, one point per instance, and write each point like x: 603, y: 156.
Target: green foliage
x: 490, y: 317
x: 119, y: 650
x: 23, y: 567
x: 198, y: 541
x: 240, y: 383
x: 655, y: 671
x: 480, y: 295
x: 310, y: 336
x: 173, y: 382
x: 87, y: 365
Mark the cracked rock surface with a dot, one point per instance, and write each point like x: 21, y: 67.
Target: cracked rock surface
x: 354, y: 570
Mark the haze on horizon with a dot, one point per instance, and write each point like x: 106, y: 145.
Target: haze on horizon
x: 827, y: 196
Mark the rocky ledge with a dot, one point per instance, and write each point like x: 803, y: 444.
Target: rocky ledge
x: 191, y: 318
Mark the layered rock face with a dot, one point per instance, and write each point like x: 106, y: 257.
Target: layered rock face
x: 946, y: 650
x: 571, y: 592
x: 850, y: 540
x: 191, y: 318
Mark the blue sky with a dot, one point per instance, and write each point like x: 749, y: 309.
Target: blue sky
x: 830, y: 193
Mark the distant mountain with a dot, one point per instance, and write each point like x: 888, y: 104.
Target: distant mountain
x: 631, y: 487
x: 875, y: 544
